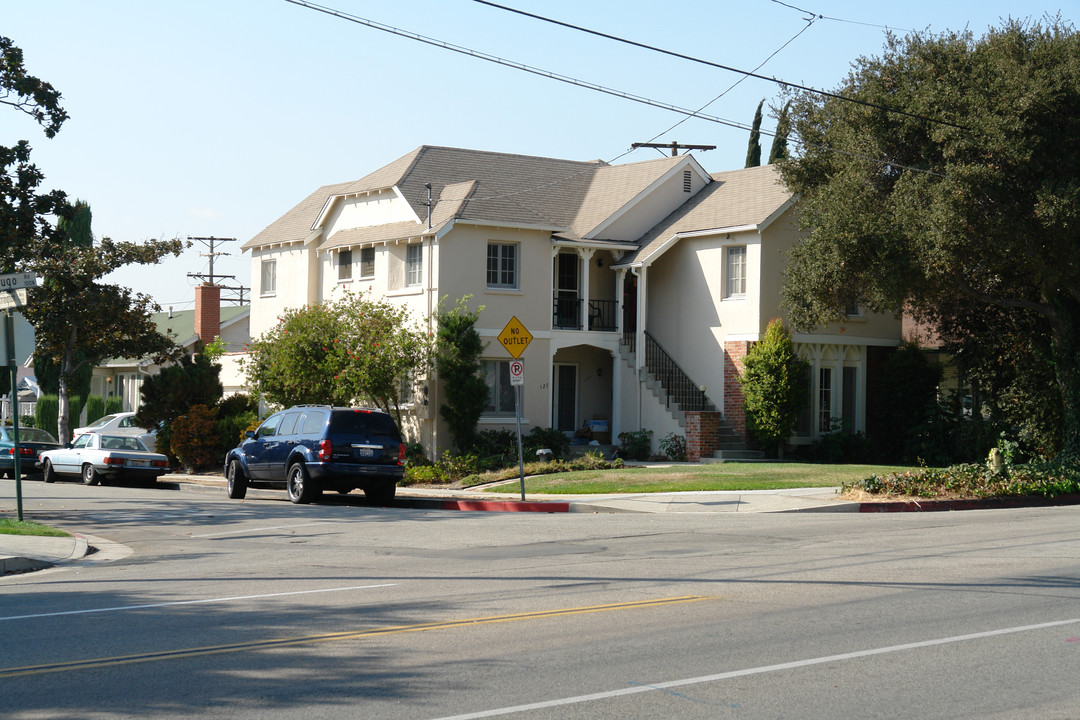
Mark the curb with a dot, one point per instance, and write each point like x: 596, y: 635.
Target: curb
x: 11, y: 565
x: 973, y: 504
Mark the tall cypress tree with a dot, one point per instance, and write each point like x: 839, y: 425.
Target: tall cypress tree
x: 753, y: 151
x: 779, y: 144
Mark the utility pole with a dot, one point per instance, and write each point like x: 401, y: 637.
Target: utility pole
x: 211, y: 243
x: 675, y: 147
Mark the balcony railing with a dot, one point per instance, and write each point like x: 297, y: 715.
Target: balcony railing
x: 566, y: 314
x: 680, y: 388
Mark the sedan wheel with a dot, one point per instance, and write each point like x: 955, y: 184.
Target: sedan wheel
x: 90, y: 475
x: 235, y: 481
x: 47, y: 472
x: 301, y: 488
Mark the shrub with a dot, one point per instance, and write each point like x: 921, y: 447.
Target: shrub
x: 674, y: 447
x: 550, y: 438
x: 47, y: 414
x: 114, y: 404
x: 636, y: 444
x: 195, y: 439
x: 95, y: 408
x: 775, y: 382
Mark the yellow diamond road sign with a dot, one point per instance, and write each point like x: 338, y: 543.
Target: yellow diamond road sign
x: 515, y: 338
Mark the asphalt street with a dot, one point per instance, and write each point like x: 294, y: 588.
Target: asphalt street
x: 195, y: 606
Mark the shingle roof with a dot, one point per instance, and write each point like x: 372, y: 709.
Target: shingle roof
x: 567, y: 195
x: 735, y: 198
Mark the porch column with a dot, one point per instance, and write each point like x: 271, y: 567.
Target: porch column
x: 616, y: 397
x: 585, y: 255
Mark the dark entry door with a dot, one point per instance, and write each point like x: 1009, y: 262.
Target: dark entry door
x: 566, y: 397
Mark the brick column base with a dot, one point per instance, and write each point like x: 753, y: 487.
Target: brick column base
x: 734, y: 399
x: 702, y: 434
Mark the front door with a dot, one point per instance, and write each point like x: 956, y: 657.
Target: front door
x: 565, y: 410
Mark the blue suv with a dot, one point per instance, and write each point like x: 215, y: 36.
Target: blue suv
x: 311, y: 448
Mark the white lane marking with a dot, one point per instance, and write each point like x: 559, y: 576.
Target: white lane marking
x: 755, y: 671
x: 263, y: 529
x: 195, y: 602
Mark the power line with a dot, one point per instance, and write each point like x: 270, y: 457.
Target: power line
x: 581, y: 83
x: 709, y: 63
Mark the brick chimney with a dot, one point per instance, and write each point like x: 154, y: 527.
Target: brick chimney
x: 207, y: 312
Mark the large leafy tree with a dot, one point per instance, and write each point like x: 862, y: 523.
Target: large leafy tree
x: 964, y: 204
x: 72, y: 311
x: 339, y: 352
x: 77, y: 228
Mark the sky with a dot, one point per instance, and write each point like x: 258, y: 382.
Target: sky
x: 200, y: 118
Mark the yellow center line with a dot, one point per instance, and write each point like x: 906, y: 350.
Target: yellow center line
x: 329, y: 637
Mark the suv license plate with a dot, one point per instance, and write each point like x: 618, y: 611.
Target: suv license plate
x: 365, y: 452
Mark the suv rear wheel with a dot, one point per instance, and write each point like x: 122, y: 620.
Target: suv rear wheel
x: 299, y: 484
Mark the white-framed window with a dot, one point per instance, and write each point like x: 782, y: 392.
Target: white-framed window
x: 501, y: 393
x: 269, y: 277
x: 414, y: 256
x: 344, y: 265
x: 367, y: 262
x: 502, y: 265
x: 735, y: 271
x: 825, y: 392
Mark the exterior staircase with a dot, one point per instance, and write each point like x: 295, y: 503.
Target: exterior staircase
x: 674, y: 389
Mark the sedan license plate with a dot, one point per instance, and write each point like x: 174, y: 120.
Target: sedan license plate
x: 138, y: 463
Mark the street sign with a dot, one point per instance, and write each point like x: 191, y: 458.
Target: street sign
x: 517, y: 372
x: 12, y: 299
x: 515, y: 338
x: 18, y: 280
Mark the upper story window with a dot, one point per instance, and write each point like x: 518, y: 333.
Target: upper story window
x: 735, y: 271
x: 367, y: 262
x: 502, y: 265
x: 344, y: 265
x: 414, y: 256
x: 269, y: 277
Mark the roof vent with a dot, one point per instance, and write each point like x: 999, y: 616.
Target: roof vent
x: 686, y: 182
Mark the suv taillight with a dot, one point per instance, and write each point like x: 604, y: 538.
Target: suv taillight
x: 325, y: 450
x: 401, y: 454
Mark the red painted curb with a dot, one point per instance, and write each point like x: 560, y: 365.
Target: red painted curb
x: 976, y: 504
x: 505, y: 506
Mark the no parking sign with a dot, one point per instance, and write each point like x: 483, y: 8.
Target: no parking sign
x: 517, y: 372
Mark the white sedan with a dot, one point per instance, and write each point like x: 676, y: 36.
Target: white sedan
x: 119, y: 424
x: 96, y: 458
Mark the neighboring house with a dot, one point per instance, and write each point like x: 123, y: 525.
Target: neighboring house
x: 643, y: 285
x: 123, y: 377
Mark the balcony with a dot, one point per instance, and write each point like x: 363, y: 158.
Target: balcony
x: 602, y: 315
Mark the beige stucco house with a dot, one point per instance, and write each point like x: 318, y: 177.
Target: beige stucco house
x: 642, y: 284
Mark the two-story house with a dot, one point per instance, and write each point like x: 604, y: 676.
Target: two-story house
x: 642, y: 284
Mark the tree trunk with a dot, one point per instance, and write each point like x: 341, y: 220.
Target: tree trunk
x: 63, y: 430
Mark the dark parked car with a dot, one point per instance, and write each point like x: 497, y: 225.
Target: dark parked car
x: 32, y: 442
x: 311, y: 448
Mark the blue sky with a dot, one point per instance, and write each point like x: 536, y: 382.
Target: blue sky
x: 214, y: 117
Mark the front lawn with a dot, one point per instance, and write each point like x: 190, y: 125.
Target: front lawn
x: 687, y: 478
x: 10, y: 526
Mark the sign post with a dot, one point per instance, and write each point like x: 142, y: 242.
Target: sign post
x: 515, y: 338
x: 13, y: 295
